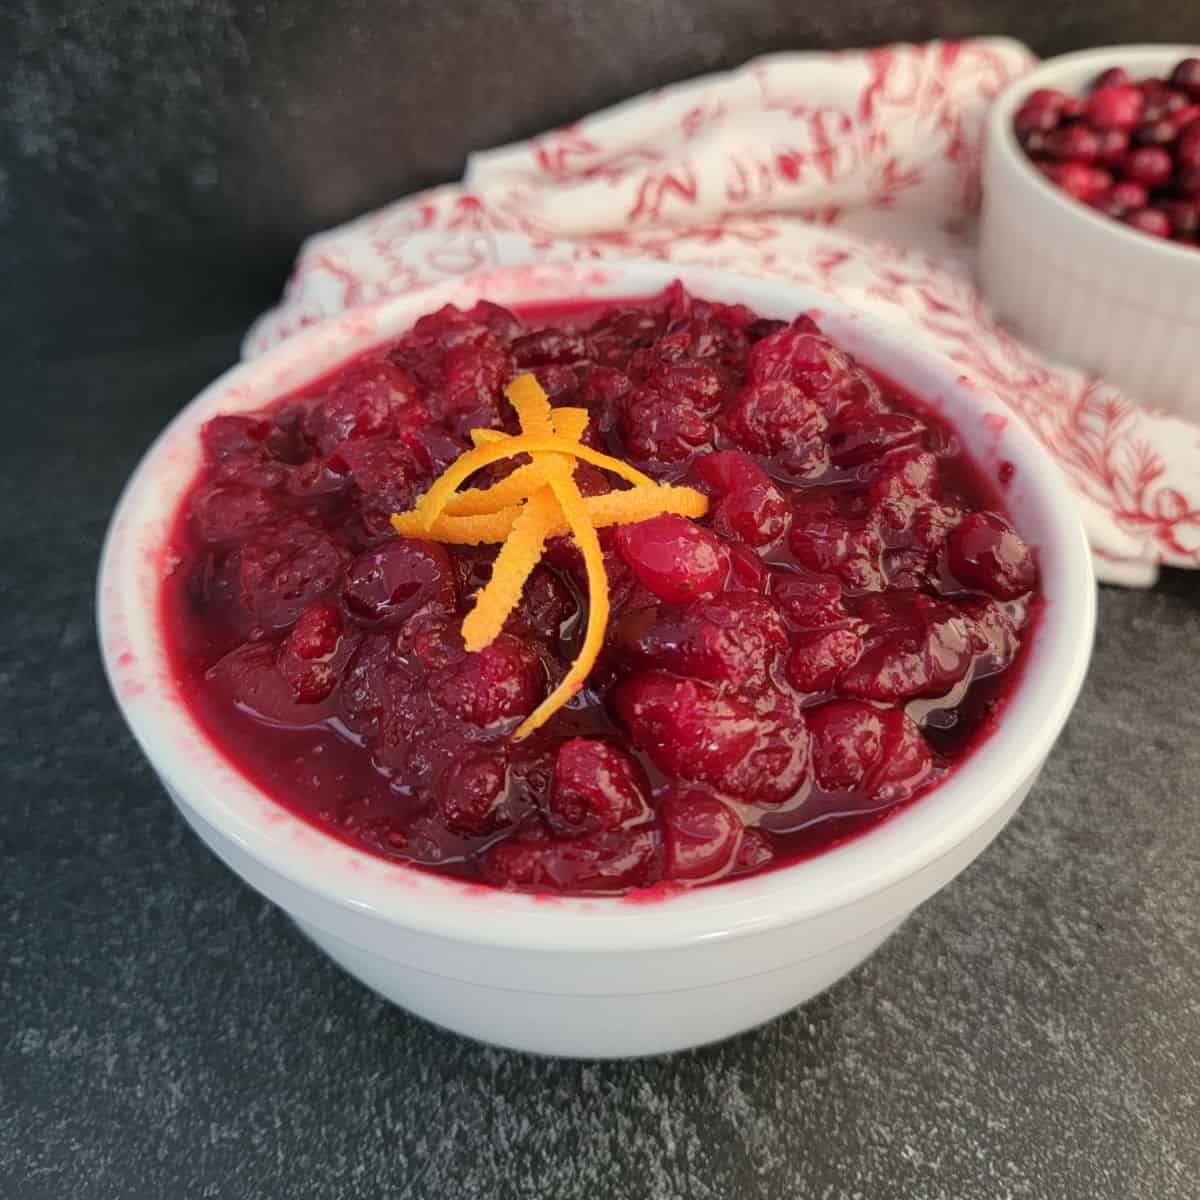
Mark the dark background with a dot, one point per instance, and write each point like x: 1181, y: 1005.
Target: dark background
x: 1033, y: 1032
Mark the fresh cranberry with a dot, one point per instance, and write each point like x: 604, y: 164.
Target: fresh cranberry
x: 1161, y: 132
x: 1187, y: 183
x: 701, y: 835
x: 1126, y: 195
x: 1187, y: 149
x: 877, y: 753
x: 920, y: 647
x: 1186, y: 76
x: 1149, y: 166
x: 818, y: 660
x: 385, y: 586
x: 287, y: 569
x: 750, y: 508
x: 986, y: 554
x: 1184, y: 216
x: 1078, y: 179
x: 1149, y: 220
x: 1114, y: 106
x: 501, y: 682
x: 675, y: 558
x: 1113, y: 145
x: 610, y: 861
x: 699, y: 732
x: 1110, y: 77
x: 596, y: 787
x: 471, y: 790
x: 779, y: 418
x: 732, y: 640
x: 1034, y: 119
x: 1073, y: 143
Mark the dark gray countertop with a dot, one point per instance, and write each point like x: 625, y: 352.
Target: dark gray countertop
x: 1033, y: 1032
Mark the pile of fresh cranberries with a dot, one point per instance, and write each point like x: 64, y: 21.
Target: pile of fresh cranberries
x: 826, y: 644
x: 1129, y: 148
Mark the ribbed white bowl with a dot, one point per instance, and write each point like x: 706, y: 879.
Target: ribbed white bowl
x: 1082, y: 287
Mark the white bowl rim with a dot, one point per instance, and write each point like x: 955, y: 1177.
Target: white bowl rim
x: 908, y: 842
x: 1002, y: 137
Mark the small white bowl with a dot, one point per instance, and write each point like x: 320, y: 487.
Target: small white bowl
x: 1081, y: 286
x: 595, y: 977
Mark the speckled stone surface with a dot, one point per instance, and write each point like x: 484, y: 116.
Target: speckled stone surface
x: 1033, y: 1033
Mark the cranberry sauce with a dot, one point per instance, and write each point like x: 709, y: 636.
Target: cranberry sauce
x: 825, y: 645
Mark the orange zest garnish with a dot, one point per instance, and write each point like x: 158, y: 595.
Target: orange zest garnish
x: 525, y: 509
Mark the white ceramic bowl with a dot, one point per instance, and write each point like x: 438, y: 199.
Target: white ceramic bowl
x: 594, y: 977
x: 1083, y: 287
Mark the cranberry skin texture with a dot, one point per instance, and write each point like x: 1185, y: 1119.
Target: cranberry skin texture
x: 1110, y: 77
x: 224, y: 514
x: 777, y: 417
x: 471, y: 790
x: 701, y: 836
x: 285, y: 571
x: 657, y: 428
x: 1114, y: 106
x: 1186, y: 76
x: 367, y: 400
x: 858, y: 437
x: 387, y: 585
x: 1149, y: 166
x: 596, y: 787
x: 877, y: 753
x: 595, y: 863
x: 750, y: 507
x: 501, y: 682
x: 1151, y: 221
x: 809, y: 603
x: 800, y: 355
x: 818, y: 660
x: 251, y: 677
x: 986, y: 554
x: 699, y: 732
x: 1073, y: 143
x: 831, y: 545
x: 308, y: 656
x: 674, y: 558
x: 731, y: 640
x: 1078, y: 179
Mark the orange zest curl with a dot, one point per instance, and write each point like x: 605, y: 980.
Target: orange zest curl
x: 526, y: 508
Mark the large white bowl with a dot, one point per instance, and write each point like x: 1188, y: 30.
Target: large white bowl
x: 595, y: 977
x: 1083, y: 287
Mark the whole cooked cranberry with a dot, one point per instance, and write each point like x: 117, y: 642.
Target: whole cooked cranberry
x: 366, y: 400
x: 1114, y: 106
x: 818, y: 660
x: 919, y: 647
x: 1149, y: 165
x: 470, y: 791
x: 596, y: 787
x: 700, y: 834
x: 809, y: 603
x: 1149, y: 220
x: 777, y: 417
x: 833, y: 545
x: 800, y: 355
x: 749, y: 507
x: 904, y: 480
x: 675, y: 558
x: 857, y: 437
x: 609, y: 861
x: 986, y: 554
x: 385, y: 586
x: 223, y: 514
x: 1113, y: 75
x: 308, y: 656
x: 234, y: 437
x: 546, y: 604
x: 1073, y: 143
x: 470, y: 397
x: 698, y: 731
x: 251, y: 678
x: 877, y: 753
x: 1186, y: 76
x: 503, y: 681
x: 385, y: 470
x: 374, y: 681
x: 286, y: 569
x: 548, y: 346
x: 657, y: 428
x: 697, y: 383
x: 504, y: 325
x: 733, y: 640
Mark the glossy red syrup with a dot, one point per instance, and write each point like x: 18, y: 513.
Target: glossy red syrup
x: 824, y: 646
